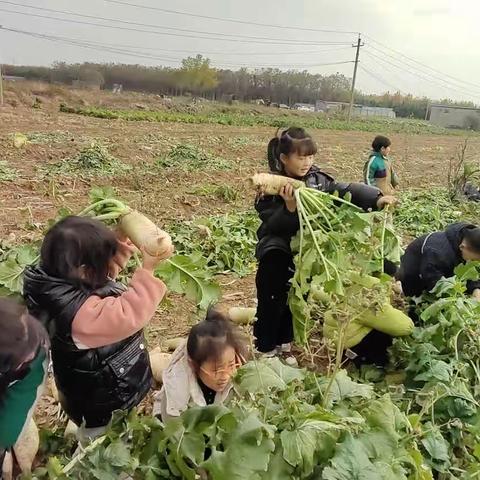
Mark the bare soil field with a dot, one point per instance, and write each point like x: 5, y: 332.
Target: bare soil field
x: 168, y: 195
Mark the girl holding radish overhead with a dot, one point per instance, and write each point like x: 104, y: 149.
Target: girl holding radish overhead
x: 201, y: 369
x: 99, y: 356
x: 290, y: 154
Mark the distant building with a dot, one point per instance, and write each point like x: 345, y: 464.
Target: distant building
x: 359, y: 110
x: 449, y: 116
x: 365, y: 111
x: 326, y: 106
x: 13, y: 78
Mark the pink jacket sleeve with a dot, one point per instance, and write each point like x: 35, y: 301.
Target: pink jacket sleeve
x: 103, y: 321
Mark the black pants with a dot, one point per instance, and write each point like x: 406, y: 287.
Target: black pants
x: 274, y: 319
x: 373, y: 349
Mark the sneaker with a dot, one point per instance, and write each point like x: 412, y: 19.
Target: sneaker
x: 285, y: 347
x: 270, y: 354
x: 291, y: 361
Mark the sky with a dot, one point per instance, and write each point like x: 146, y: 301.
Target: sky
x: 424, y: 47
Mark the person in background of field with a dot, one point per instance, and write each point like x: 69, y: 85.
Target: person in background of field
x: 96, y: 325
x: 23, y: 367
x: 431, y: 257
x: 201, y: 369
x: 378, y: 170
x: 290, y: 153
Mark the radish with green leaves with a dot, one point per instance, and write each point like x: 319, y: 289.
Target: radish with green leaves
x: 144, y: 234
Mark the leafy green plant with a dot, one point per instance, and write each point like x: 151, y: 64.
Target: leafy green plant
x: 7, y: 173
x: 93, y: 160
x: 223, y: 192
x: 273, y: 429
x: 13, y: 261
x: 339, y: 263
x: 442, y: 363
x: 425, y: 211
x: 190, y: 157
x: 227, y: 241
x: 460, y: 172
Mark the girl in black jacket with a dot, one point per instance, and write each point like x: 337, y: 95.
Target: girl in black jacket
x: 291, y: 154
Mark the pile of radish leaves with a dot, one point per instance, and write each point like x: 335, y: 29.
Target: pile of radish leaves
x: 338, y: 250
x: 274, y: 429
x: 227, y: 241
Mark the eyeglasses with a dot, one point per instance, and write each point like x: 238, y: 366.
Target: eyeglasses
x: 220, y: 372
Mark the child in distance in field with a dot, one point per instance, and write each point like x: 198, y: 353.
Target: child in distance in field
x: 378, y: 169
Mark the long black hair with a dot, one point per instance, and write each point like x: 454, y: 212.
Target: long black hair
x: 76, y: 242
x: 21, y: 338
x: 209, y: 338
x: 288, y: 141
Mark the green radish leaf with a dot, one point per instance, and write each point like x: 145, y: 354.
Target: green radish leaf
x: 268, y: 374
x: 189, y: 275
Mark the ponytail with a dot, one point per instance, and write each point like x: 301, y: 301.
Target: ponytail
x: 288, y: 141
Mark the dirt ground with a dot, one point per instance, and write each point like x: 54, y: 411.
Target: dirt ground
x: 421, y: 162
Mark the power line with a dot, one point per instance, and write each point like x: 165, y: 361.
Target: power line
x: 240, y: 38
x: 97, y: 47
x: 423, y: 64
x: 379, y: 79
x: 242, y: 22
x: 441, y: 79
x: 413, y: 73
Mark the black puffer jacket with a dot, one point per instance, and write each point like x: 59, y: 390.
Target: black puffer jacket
x: 431, y: 257
x: 94, y: 382
x: 279, y: 225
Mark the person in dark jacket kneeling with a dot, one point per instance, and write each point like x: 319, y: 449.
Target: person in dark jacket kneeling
x: 291, y: 154
x: 100, y: 360
x: 431, y: 257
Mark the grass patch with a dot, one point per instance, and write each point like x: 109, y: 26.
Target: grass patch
x: 222, y: 192
x: 94, y: 160
x: 189, y: 157
x: 7, y: 173
x: 276, y: 119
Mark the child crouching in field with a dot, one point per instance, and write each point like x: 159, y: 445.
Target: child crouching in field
x: 100, y: 361
x: 201, y: 369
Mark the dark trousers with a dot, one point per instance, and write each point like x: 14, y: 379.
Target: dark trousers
x: 373, y: 349
x: 274, y: 319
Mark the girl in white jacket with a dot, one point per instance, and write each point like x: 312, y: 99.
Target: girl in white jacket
x: 201, y: 369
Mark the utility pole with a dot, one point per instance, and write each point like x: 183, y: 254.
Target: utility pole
x: 352, y: 95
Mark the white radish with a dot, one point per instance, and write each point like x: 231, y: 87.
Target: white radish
x: 159, y: 362
x: 242, y: 315
x: 268, y: 184
x: 70, y: 430
x: 7, y: 467
x: 173, y: 343
x: 145, y: 234
x: 26, y: 447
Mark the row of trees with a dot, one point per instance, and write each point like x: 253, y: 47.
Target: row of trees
x: 197, y: 77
